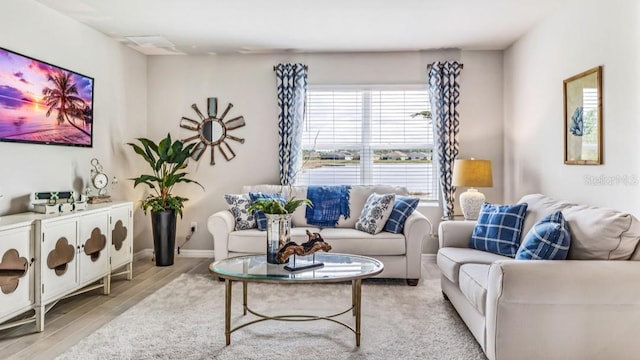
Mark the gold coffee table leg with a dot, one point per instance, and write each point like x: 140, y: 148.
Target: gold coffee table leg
x: 353, y: 296
x: 227, y: 310
x: 244, y: 298
x: 358, y: 289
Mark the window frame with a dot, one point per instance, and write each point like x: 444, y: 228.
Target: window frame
x: 364, y: 145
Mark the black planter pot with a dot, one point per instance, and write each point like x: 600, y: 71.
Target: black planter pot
x: 164, y: 236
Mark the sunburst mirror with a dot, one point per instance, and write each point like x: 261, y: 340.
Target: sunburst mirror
x: 212, y: 131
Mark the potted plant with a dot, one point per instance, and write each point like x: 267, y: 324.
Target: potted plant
x: 278, y: 215
x: 167, y: 160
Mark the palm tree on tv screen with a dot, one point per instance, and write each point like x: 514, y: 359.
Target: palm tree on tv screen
x: 63, y: 98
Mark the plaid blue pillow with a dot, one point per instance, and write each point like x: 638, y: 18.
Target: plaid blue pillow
x: 402, y: 208
x: 261, y: 218
x: 498, y: 228
x: 548, y: 239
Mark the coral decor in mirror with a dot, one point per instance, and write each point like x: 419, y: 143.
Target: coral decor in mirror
x: 212, y: 131
x: 583, y: 118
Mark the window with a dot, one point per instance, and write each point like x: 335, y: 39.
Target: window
x: 367, y: 136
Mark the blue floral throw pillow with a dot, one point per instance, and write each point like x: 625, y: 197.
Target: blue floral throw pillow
x: 403, y: 206
x: 548, y: 239
x: 261, y: 218
x: 375, y: 213
x: 238, y: 204
x: 498, y: 228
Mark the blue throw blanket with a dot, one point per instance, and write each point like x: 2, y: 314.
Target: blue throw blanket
x: 329, y: 202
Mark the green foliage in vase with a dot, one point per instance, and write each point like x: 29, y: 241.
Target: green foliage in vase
x: 275, y: 206
x: 167, y: 160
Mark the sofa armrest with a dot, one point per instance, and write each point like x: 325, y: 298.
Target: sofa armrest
x: 220, y: 224
x: 577, y: 309
x: 416, y: 229
x: 455, y: 233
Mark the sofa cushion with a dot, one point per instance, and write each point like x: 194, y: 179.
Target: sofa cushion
x: 254, y: 241
x: 450, y: 259
x: 498, y: 228
x: 539, y: 206
x: 548, y: 239
x: 351, y: 241
x: 473, y: 284
x: 601, y: 234
x: 358, y: 196
x: 261, y: 218
x: 238, y: 205
x: 375, y: 213
x: 403, y: 206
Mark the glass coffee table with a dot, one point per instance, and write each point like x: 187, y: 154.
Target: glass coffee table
x: 336, y: 268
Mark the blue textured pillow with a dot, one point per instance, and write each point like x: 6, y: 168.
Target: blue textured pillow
x: 498, y: 228
x: 548, y: 239
x: 261, y: 218
x: 402, y: 208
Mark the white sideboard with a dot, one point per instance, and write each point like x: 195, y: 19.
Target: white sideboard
x: 44, y: 258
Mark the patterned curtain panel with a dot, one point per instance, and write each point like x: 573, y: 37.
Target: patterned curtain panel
x: 444, y: 92
x: 292, y: 94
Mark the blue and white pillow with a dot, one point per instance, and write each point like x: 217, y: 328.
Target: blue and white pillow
x: 238, y: 205
x: 403, y: 206
x: 548, y: 239
x: 375, y: 213
x: 261, y: 218
x: 498, y: 228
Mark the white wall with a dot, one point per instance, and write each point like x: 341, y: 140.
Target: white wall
x: 579, y: 36
x: 119, y: 105
x: 248, y: 81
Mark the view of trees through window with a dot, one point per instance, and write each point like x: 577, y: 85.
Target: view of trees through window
x: 369, y: 136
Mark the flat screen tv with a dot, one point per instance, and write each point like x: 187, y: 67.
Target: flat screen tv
x: 43, y: 103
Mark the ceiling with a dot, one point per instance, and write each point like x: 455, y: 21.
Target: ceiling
x: 272, y: 26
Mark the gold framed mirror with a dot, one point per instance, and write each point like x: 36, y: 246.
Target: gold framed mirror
x: 583, y: 118
x: 212, y: 131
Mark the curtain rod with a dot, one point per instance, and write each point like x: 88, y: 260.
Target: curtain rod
x: 429, y: 66
x: 305, y: 67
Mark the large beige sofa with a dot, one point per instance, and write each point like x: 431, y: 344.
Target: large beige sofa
x: 587, y: 307
x: 400, y: 253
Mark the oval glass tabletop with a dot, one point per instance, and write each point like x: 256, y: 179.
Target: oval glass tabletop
x: 337, y: 267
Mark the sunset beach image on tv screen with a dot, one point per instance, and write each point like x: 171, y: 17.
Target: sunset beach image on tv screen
x: 43, y: 103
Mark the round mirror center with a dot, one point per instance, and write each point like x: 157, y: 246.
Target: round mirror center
x: 212, y: 131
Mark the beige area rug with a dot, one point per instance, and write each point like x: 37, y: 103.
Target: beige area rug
x: 185, y: 320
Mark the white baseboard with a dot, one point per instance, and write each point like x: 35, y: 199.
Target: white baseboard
x: 147, y: 253
x: 429, y: 258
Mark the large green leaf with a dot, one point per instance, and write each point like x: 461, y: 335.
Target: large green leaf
x: 142, y: 153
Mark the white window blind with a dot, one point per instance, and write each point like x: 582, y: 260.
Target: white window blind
x: 367, y: 136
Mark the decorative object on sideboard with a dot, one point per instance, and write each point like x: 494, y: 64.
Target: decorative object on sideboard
x: 212, y: 131
x: 583, y: 118
x: 167, y: 160
x: 54, y: 202
x: 99, y: 180
x: 472, y: 173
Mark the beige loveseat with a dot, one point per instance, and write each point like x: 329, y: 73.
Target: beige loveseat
x: 586, y: 307
x: 400, y: 253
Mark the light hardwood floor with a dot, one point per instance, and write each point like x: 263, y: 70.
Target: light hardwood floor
x: 74, y: 318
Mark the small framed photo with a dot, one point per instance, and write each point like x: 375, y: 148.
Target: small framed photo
x: 583, y: 118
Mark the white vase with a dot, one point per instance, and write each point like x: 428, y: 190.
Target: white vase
x: 278, y: 234
x: 574, y: 147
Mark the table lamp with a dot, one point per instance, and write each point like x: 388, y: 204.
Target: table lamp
x: 472, y: 173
